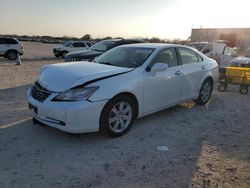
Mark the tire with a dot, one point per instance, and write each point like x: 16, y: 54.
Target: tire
x: 222, y: 87
x: 243, y: 90
x: 205, y: 92
x: 116, y: 121
x: 11, y: 55
x: 64, y: 53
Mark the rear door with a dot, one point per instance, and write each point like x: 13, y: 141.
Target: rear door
x: 162, y: 88
x: 193, y: 69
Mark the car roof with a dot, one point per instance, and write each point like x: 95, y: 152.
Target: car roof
x: 155, y: 45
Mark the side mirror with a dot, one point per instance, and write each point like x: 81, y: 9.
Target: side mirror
x: 159, y: 67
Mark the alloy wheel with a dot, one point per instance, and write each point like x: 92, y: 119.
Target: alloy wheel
x: 206, y: 91
x: 120, y: 117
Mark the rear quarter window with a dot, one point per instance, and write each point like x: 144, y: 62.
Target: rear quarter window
x: 189, y: 56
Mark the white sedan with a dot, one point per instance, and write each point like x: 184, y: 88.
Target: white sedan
x: 121, y: 85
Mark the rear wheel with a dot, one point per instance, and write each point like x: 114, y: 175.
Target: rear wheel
x: 243, y: 90
x: 222, y: 87
x: 205, y: 92
x: 117, y: 116
x: 12, y: 55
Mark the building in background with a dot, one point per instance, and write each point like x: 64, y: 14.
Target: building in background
x: 236, y: 37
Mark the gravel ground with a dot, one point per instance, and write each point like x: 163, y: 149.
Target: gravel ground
x: 206, y: 146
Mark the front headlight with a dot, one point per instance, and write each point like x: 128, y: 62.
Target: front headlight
x: 77, y: 94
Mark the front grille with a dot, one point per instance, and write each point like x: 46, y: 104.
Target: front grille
x: 39, y: 93
x: 70, y: 59
x: 73, y: 59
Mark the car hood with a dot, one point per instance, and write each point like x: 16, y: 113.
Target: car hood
x: 84, y: 53
x: 62, y: 76
x: 241, y: 60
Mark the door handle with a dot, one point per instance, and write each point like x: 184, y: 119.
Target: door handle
x: 203, y: 67
x: 178, y: 73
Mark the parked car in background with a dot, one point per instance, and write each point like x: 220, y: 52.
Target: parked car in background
x: 98, y: 49
x: 71, y: 46
x: 235, y: 58
x: 125, y: 83
x: 215, y: 50
x: 10, y: 48
x: 241, y: 61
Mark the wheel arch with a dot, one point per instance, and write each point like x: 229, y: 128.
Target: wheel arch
x: 207, y: 77
x: 128, y: 94
x: 210, y: 78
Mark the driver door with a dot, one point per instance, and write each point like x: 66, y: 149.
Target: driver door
x: 163, y: 88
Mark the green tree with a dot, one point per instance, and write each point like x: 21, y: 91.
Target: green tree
x: 86, y: 37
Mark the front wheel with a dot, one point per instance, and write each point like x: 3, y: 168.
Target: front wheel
x: 117, y: 116
x: 205, y: 92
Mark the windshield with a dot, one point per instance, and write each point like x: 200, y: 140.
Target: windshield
x: 102, y: 46
x: 67, y: 44
x: 130, y: 57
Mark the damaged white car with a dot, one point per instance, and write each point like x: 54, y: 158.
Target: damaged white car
x: 123, y: 84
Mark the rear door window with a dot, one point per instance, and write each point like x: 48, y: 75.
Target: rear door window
x: 188, y: 56
x: 79, y: 45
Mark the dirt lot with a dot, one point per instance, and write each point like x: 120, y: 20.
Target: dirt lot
x: 207, y: 146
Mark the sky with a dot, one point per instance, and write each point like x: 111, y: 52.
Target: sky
x: 166, y: 19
